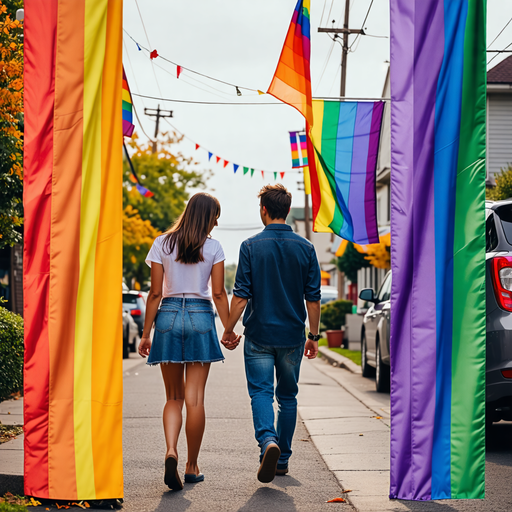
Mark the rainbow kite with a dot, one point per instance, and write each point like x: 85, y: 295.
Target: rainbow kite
x: 73, y: 250
x: 292, y: 79
x: 128, y: 125
x: 346, y: 142
x: 438, y: 90
x: 299, y: 149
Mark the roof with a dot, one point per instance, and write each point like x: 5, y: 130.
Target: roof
x: 501, y: 73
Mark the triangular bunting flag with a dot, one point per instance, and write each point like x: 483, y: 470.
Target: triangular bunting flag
x: 178, y: 71
x: 260, y: 92
x: 235, y: 167
x: 144, y: 191
x: 209, y: 155
x: 218, y: 159
x: 252, y: 172
x: 263, y: 174
x: 197, y: 146
x: 282, y: 175
x: 246, y: 170
x: 275, y: 176
x: 225, y: 163
x: 153, y: 55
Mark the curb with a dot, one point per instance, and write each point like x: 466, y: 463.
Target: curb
x: 338, y: 360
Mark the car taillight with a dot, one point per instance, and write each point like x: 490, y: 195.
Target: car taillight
x: 136, y: 312
x: 502, y: 281
x: 507, y: 374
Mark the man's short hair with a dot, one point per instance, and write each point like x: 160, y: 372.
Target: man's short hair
x: 276, y: 199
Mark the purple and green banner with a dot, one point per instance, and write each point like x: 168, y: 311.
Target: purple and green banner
x: 438, y: 114
x: 345, y: 138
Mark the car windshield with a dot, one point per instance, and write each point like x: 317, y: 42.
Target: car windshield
x: 128, y: 298
x: 505, y: 215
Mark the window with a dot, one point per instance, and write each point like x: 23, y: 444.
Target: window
x: 505, y: 214
x: 491, y: 236
x: 385, y: 289
x: 129, y: 298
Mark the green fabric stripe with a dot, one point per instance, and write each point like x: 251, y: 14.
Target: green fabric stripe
x: 127, y: 106
x: 468, y: 352
x: 328, y: 157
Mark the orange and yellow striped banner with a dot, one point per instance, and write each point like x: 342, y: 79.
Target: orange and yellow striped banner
x: 73, y: 249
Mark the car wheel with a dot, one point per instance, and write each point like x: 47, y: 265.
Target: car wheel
x: 366, y: 369
x: 381, y: 372
x: 126, y: 344
x: 133, y: 344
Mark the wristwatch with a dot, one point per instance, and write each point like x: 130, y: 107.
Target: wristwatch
x: 314, y: 337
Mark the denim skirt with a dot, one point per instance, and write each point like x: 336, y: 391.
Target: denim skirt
x: 185, y: 333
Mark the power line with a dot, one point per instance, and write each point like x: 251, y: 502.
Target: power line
x: 500, y: 51
x: 501, y: 32
x: 205, y: 102
x: 362, y: 26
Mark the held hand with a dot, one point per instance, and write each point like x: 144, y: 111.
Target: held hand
x: 230, y: 340
x: 144, y: 346
x: 311, y: 349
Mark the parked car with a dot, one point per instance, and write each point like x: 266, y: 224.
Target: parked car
x: 135, y: 303
x: 130, y: 334
x: 375, y: 335
x: 329, y: 293
x: 375, y: 332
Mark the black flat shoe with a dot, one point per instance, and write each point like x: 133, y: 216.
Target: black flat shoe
x: 171, y: 477
x: 268, y: 466
x: 190, y: 478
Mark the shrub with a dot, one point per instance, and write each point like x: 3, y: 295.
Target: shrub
x: 333, y: 313
x: 503, y: 189
x: 11, y: 353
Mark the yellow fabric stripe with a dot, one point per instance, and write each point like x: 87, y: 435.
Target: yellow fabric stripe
x: 126, y: 96
x: 94, y: 53
x: 327, y: 205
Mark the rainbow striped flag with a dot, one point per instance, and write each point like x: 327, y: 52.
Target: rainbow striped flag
x: 299, y: 147
x: 438, y: 90
x: 292, y: 79
x: 346, y: 138
x: 128, y: 125
x: 73, y: 381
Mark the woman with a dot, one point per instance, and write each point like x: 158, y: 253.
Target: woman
x: 182, y: 261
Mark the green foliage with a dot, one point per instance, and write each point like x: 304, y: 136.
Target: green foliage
x: 353, y: 355
x: 9, y: 507
x: 333, y: 314
x: 503, y: 188
x: 351, y: 261
x: 229, y: 276
x: 11, y: 353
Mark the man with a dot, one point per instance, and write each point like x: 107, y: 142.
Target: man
x: 277, y: 271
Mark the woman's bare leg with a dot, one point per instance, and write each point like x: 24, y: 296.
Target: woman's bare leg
x: 197, y: 374
x: 175, y: 390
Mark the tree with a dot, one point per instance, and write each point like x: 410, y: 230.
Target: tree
x: 144, y: 218
x: 164, y: 174
x: 138, y: 236
x: 351, y: 261
x: 11, y: 126
x: 503, y: 188
x: 379, y: 255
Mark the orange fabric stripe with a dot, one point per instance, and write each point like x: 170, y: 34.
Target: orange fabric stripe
x: 107, y: 378
x: 65, y: 244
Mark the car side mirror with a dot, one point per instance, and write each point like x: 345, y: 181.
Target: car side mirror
x: 368, y: 295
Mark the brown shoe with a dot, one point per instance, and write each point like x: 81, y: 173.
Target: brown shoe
x: 281, y: 471
x: 268, y: 466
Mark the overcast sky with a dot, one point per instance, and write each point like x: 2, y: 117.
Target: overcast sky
x: 239, y: 41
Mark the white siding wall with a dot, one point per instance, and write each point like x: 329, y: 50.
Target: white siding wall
x: 499, y: 134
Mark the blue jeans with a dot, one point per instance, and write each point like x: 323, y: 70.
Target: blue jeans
x: 260, y: 362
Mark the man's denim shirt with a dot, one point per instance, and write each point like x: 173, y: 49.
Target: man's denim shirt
x: 277, y: 271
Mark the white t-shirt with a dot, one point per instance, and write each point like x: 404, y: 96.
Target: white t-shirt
x: 186, y: 278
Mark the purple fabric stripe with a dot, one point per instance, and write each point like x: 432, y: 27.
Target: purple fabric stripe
x: 127, y: 128
x: 360, y: 144
x: 417, y: 45
x: 370, y: 199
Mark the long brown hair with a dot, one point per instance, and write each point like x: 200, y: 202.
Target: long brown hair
x: 189, y: 233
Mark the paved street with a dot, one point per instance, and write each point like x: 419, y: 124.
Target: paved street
x: 330, y: 453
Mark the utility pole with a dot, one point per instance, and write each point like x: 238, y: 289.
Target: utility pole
x: 346, y: 32
x: 156, y: 112
x: 306, y: 215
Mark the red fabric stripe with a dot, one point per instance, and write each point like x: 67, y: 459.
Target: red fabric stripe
x: 313, y: 176
x: 40, y: 36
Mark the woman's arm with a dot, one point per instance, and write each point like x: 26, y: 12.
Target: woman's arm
x: 219, y: 295
x: 153, y: 302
